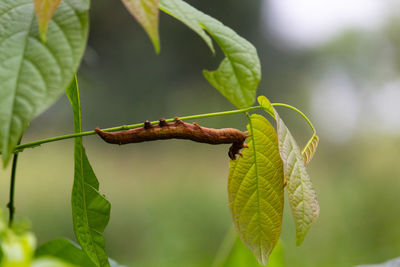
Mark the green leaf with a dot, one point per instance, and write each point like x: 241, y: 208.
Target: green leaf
x: 266, y: 105
x: 34, y: 74
x: 239, y: 74
x: 188, y: 16
x: 17, y: 248
x: 44, y: 11
x: 90, y: 210
x: 255, y: 189
x: 50, y: 262
x: 237, y: 255
x: 67, y: 251
x: 302, y: 197
x: 64, y: 249
x: 146, y: 13
x: 310, y: 149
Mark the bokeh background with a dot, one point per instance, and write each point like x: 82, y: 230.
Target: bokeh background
x: 337, y: 60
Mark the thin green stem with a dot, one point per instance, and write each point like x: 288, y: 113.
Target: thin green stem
x: 10, y: 204
x: 298, y: 111
x: 19, y: 148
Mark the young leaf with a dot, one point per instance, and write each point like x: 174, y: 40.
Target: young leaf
x: 302, y: 197
x: 44, y: 11
x: 266, y: 105
x: 239, y: 74
x: 179, y: 11
x: 33, y: 74
x: 49, y: 262
x: 90, y: 210
x: 65, y: 250
x: 239, y: 256
x: 146, y: 13
x: 310, y: 149
x: 255, y: 189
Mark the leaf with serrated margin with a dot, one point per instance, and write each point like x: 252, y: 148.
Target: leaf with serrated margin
x: 266, y: 105
x: 34, y: 74
x: 146, y: 13
x: 90, y: 209
x: 239, y: 74
x: 44, y: 11
x: 310, y: 149
x: 255, y: 189
x: 302, y: 197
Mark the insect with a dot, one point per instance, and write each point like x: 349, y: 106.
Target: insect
x: 179, y: 130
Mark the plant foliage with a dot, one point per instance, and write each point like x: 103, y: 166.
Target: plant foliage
x: 41, y: 45
x: 34, y: 74
x: 239, y: 74
x: 255, y: 189
x: 90, y: 209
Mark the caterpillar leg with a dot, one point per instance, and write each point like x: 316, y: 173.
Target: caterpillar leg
x: 163, y: 122
x: 147, y: 125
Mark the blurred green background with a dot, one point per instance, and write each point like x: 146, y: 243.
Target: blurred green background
x: 169, y: 198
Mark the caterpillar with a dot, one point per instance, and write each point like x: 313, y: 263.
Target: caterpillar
x: 179, y: 130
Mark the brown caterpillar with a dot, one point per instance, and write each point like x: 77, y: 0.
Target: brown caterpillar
x: 178, y: 130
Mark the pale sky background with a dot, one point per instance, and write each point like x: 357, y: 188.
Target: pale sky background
x: 338, y: 107
x: 313, y: 22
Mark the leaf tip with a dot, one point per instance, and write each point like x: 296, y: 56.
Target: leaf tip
x: 156, y: 44
x: 43, y: 34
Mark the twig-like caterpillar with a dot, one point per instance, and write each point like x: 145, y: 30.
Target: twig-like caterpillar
x: 178, y: 130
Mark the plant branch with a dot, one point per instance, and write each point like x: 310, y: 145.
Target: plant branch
x: 20, y: 148
x: 10, y: 204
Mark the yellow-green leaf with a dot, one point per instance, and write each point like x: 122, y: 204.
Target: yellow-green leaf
x: 302, y: 197
x: 255, y: 189
x: 266, y: 105
x: 310, y: 149
x: 146, y: 12
x: 239, y: 74
x: 44, y: 11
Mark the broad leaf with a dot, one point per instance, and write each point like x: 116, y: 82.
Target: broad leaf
x: 64, y: 249
x: 237, y: 255
x: 34, y: 74
x: 266, y: 105
x: 310, y: 149
x: 50, y: 262
x: 44, y: 11
x: 90, y: 210
x: 67, y: 251
x: 187, y: 15
x: 302, y: 197
x: 146, y: 13
x: 239, y: 74
x: 255, y: 189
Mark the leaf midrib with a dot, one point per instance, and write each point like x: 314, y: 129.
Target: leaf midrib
x: 15, y: 90
x: 256, y: 172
